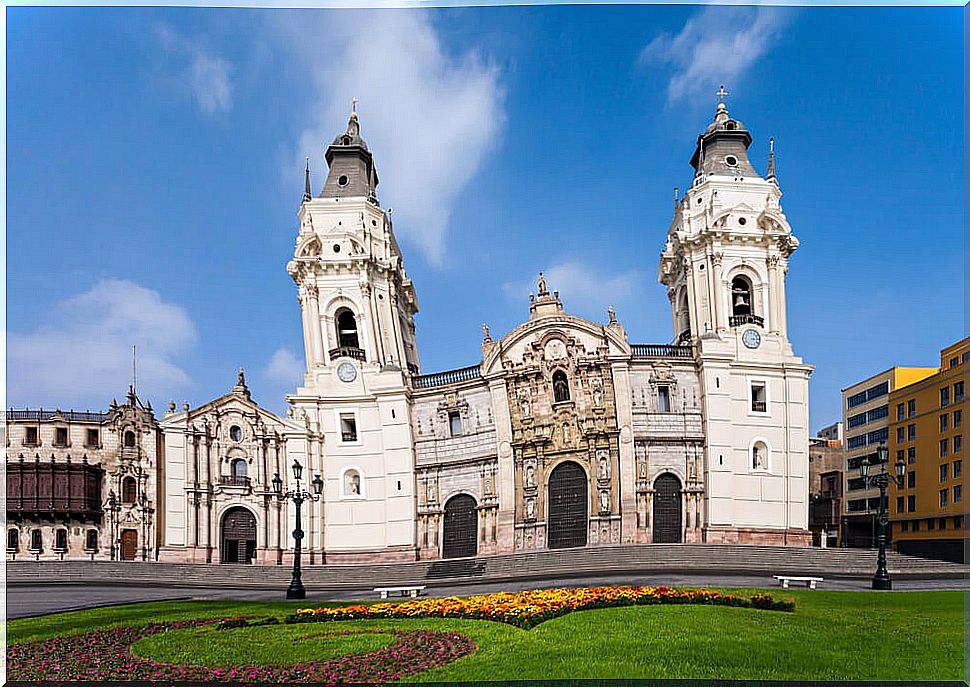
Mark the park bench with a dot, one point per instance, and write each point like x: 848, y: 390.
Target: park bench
x: 412, y: 590
x: 810, y: 582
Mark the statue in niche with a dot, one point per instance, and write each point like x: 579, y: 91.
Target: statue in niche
x: 352, y: 483
x: 643, y: 469
x: 604, y: 501
x: 530, y: 476
x: 488, y: 482
x: 604, y: 466
x: 598, y: 394
x: 524, y: 404
x: 565, y: 433
x: 430, y: 492
x: 758, y: 457
x: 530, y: 509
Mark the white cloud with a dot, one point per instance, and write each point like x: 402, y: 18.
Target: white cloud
x: 285, y: 368
x: 716, y: 46
x: 583, y: 289
x: 429, y: 117
x: 203, y: 75
x: 81, y: 354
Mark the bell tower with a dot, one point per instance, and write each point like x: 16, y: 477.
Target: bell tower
x: 358, y: 308
x: 724, y: 266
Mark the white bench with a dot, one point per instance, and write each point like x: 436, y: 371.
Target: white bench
x: 810, y: 582
x: 413, y: 591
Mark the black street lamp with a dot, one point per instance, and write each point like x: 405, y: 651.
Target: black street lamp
x: 882, y: 479
x: 113, y: 509
x: 296, y: 590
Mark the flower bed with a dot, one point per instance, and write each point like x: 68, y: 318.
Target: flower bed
x: 528, y: 609
x: 105, y: 655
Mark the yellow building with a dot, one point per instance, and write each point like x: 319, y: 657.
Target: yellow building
x: 865, y: 414
x: 926, y: 430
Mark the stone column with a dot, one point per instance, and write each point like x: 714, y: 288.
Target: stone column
x: 305, y: 316
x: 718, y: 289
x: 696, y: 326
x: 316, y: 333
x: 627, y: 461
x: 377, y: 355
x: 505, y: 475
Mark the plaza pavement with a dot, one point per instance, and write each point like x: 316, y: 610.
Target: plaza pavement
x: 25, y: 600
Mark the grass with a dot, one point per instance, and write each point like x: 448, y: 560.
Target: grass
x: 830, y: 636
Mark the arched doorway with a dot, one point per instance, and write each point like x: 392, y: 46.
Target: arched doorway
x: 460, y: 536
x: 238, y: 535
x: 568, y: 506
x: 667, y: 510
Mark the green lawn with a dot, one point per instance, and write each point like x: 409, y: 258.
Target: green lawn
x: 831, y: 636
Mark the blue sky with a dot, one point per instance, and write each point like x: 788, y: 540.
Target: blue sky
x: 154, y: 169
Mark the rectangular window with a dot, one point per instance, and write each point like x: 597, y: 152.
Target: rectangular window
x: 957, y: 418
x: 916, y: 525
x: 877, y: 413
x: 958, y: 392
x: 957, y: 493
x: 900, y: 455
x: 857, y: 420
x: 900, y: 411
x: 944, y: 422
x: 944, y: 397
x: 911, y: 407
x: 958, y: 443
x: 900, y: 504
x: 348, y: 427
x: 905, y: 526
x: 855, y: 484
x: 36, y: 542
x: 900, y: 435
x: 91, y: 540
x: 877, y: 391
x: 60, y: 436
x: 759, y: 397
x: 30, y: 437
x: 944, y: 498
x: 911, y: 455
x: 958, y: 522
x: 663, y: 399
x: 911, y: 432
x: 454, y: 422
x: 911, y: 502
x: 856, y: 441
x: 944, y: 472
x: 856, y: 399
x: 911, y: 479
x: 879, y: 436
x: 93, y: 439
x: 954, y: 362
x: 942, y: 523
x: 60, y: 540
x: 957, y: 468
x: 944, y: 448
x: 931, y: 523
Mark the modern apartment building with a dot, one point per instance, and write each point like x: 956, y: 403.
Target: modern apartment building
x: 865, y: 413
x: 926, y: 430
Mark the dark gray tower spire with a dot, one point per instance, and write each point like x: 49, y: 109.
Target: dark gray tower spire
x: 722, y: 149
x: 352, y: 172
x: 771, y: 161
x: 306, y: 184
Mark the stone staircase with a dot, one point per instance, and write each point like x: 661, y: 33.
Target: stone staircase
x: 572, y: 564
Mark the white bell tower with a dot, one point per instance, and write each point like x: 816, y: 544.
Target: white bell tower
x: 724, y: 266
x: 358, y: 324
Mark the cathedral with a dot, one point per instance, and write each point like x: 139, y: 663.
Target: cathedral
x: 564, y: 434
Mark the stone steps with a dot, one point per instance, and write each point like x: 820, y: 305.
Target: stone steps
x: 639, y: 560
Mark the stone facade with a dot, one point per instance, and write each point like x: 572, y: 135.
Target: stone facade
x: 564, y: 434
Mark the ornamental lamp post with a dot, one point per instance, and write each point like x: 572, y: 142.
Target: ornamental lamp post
x: 296, y: 590
x: 113, y: 508
x: 882, y: 480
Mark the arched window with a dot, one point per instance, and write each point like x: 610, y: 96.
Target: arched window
x: 741, y: 294
x: 13, y: 540
x: 36, y: 540
x: 560, y: 386
x: 347, y: 329
x: 129, y: 439
x: 239, y: 469
x: 129, y: 490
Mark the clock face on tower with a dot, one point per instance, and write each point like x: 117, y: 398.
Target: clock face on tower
x: 751, y: 338
x: 346, y: 372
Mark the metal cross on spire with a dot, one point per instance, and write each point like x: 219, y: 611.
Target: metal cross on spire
x: 353, y: 104
x: 721, y: 93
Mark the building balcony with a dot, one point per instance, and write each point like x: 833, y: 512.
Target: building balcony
x: 347, y: 352
x: 233, y: 481
x: 738, y: 320
x: 759, y: 406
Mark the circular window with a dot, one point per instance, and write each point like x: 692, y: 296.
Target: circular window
x: 342, y: 181
x: 235, y: 433
x: 731, y: 161
x: 742, y: 221
x: 336, y: 248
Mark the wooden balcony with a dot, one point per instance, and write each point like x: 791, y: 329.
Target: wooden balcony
x: 347, y: 352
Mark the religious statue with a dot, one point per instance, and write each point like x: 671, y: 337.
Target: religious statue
x: 530, y: 476
x: 643, y: 469
x: 524, y: 402
x: 604, y: 501
x: 560, y: 387
x: 612, y: 313
x: 758, y: 457
x: 598, y: 394
x: 604, y: 467
x: 352, y: 483
x: 488, y: 482
x: 242, y: 377
x: 543, y: 289
x: 565, y: 433
x: 431, y: 492
x: 530, y: 509
x: 487, y: 336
